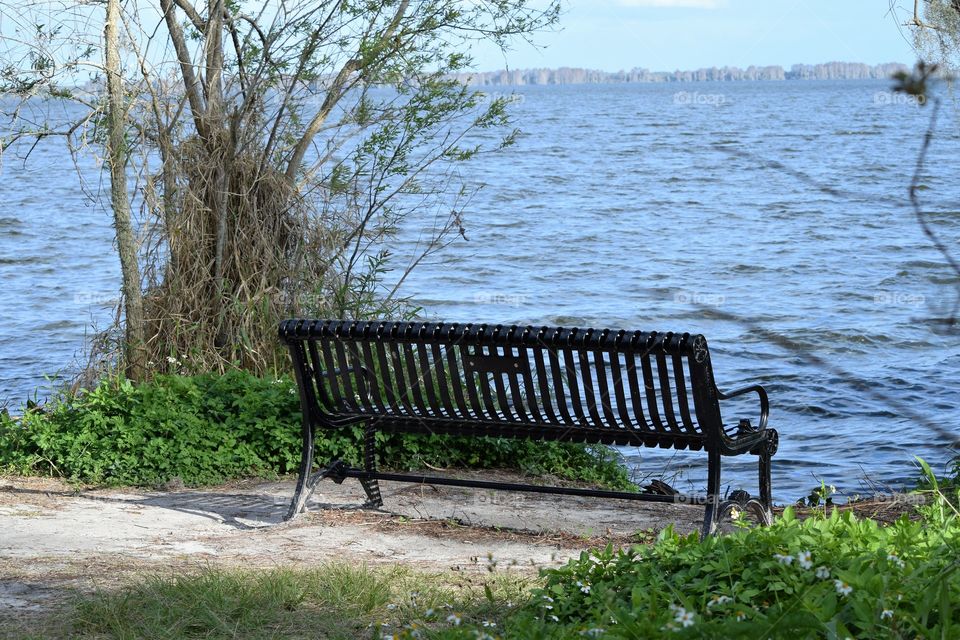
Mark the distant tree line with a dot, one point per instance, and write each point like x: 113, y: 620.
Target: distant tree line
x: 568, y: 75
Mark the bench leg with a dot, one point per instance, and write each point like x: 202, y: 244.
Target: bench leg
x: 370, y: 485
x: 303, y: 480
x: 713, y: 494
x: 767, y: 449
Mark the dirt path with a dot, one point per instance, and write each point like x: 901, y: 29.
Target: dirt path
x: 54, y: 537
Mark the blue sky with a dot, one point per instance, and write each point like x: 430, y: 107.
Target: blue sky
x: 663, y: 35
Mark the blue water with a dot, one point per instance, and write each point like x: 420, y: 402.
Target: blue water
x: 634, y: 206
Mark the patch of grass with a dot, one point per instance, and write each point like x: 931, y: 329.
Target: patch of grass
x: 204, y: 429
x: 334, y: 601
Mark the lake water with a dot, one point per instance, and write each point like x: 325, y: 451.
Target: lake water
x: 685, y: 207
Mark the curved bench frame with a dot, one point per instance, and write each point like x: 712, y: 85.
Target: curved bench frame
x: 548, y: 383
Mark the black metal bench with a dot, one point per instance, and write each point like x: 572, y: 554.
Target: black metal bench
x: 578, y: 385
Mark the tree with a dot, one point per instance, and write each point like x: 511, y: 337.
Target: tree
x: 935, y: 31
x: 276, y: 148
x: 134, y: 354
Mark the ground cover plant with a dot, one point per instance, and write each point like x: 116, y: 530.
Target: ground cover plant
x: 208, y: 428
x: 829, y: 575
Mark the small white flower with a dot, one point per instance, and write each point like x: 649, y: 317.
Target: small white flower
x: 454, y: 619
x: 172, y: 360
x: 391, y: 607
x: 293, y: 392
x: 741, y: 616
x: 787, y: 560
x: 585, y: 588
x: 823, y: 573
x: 886, y: 614
x: 554, y: 618
x: 719, y: 600
x: 895, y: 559
x: 842, y: 587
x: 428, y: 613
x: 684, y: 618
x: 488, y: 623
x: 548, y: 598
x: 805, y: 559
x: 548, y: 606
x: 681, y: 615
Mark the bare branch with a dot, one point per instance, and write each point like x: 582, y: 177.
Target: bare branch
x: 194, y: 17
x: 191, y: 86
x: 334, y: 94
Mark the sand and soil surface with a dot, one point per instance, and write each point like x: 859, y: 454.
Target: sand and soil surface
x: 56, y: 539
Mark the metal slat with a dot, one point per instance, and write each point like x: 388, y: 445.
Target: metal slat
x: 573, y: 386
x: 606, y: 401
x: 483, y: 380
x: 350, y: 398
x: 460, y: 379
x: 556, y: 372
x: 682, y: 394
x: 471, y: 380
x: 396, y: 360
x: 323, y: 368
x: 446, y: 407
x: 636, y: 396
x: 623, y: 410
x: 586, y: 378
x: 543, y: 382
x: 415, y: 377
x: 651, y: 393
x: 385, y: 376
x: 665, y: 394
x: 376, y: 380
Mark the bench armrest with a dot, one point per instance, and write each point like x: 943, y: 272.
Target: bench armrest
x: 764, y: 402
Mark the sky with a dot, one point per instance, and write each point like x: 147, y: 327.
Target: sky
x: 665, y: 35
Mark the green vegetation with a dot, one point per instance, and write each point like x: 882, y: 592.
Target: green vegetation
x: 281, y: 153
x: 208, y: 428
x: 828, y: 576
x: 335, y: 601
x: 817, y: 578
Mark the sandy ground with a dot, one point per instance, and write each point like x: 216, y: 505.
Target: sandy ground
x: 55, y: 539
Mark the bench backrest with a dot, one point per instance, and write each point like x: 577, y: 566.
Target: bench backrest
x: 614, y: 387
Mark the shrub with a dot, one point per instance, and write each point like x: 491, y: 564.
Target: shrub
x: 824, y: 577
x: 206, y: 428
